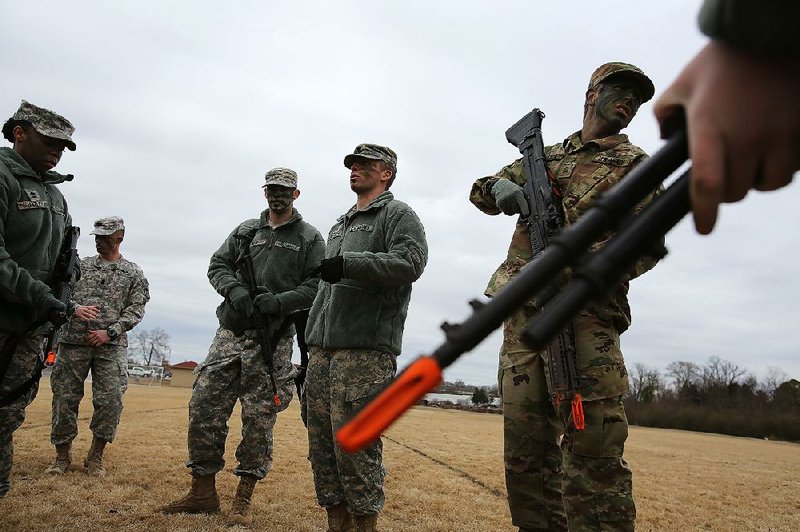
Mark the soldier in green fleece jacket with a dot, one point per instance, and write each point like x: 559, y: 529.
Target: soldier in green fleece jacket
x: 740, y: 98
x: 374, y: 253
x: 33, y: 218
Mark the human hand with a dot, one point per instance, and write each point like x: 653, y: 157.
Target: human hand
x: 743, y: 123
x: 510, y: 198
x: 86, y: 313
x: 54, y: 309
x: 241, y: 300
x: 98, y: 337
x: 332, y: 270
x: 267, y: 303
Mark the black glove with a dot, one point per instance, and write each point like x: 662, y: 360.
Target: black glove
x: 510, y: 198
x: 54, y: 309
x: 332, y: 270
x: 267, y: 303
x: 241, y: 300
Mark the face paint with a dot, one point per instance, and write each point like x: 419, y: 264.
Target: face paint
x: 279, y: 198
x: 617, y: 103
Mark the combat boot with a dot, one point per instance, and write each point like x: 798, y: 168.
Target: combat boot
x: 93, y: 465
x: 240, y: 511
x: 201, y: 499
x: 340, y: 519
x: 366, y: 523
x: 63, y: 460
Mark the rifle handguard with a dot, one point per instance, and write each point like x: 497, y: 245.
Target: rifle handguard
x: 410, y: 386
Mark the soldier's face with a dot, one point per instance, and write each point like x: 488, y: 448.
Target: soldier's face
x: 617, y: 103
x: 279, y: 198
x: 106, y: 244
x: 367, y: 175
x: 41, y: 153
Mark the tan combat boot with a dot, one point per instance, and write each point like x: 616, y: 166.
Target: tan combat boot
x: 240, y: 511
x: 93, y: 465
x: 366, y: 523
x: 340, y: 519
x: 63, y: 460
x: 201, y: 499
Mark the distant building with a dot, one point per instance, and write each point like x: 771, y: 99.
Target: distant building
x: 452, y: 398
x: 183, y: 374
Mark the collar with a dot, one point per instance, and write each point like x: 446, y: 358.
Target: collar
x: 574, y: 143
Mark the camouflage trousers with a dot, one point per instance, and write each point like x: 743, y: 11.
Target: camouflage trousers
x: 23, y: 365
x: 559, y: 478
x: 109, y: 366
x: 235, y: 369
x: 337, y: 384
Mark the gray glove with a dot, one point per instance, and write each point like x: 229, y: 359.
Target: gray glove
x: 510, y: 198
x: 241, y: 300
x: 267, y: 303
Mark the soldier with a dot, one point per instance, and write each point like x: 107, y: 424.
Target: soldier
x: 110, y: 298
x: 285, y: 251
x: 596, y: 478
x: 33, y: 218
x: 355, y: 328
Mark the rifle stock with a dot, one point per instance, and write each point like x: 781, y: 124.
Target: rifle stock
x: 66, y: 273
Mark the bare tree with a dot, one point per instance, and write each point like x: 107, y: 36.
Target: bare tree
x: 774, y: 378
x: 718, y: 372
x: 683, y: 373
x: 645, y: 383
x: 151, y: 346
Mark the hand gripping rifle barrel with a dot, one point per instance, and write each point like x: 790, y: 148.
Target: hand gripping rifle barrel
x: 425, y: 373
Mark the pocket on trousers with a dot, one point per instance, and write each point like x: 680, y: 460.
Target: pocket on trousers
x: 603, y: 437
x: 360, y: 394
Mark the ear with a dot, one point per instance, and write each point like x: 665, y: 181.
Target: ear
x: 295, y: 194
x: 18, y: 133
x: 591, y: 95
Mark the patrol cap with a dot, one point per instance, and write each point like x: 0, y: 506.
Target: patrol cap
x: 608, y: 70
x: 285, y: 177
x: 46, y: 122
x: 108, y: 226
x: 374, y: 152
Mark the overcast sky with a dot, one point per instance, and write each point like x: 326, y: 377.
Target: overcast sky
x: 181, y: 107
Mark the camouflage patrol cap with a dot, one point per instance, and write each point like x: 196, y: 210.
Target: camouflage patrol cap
x: 374, y: 152
x: 46, y: 122
x: 108, y: 226
x: 285, y: 177
x: 604, y: 72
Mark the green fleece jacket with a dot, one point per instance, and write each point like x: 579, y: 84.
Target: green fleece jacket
x: 767, y: 27
x: 33, y: 217
x: 283, y: 260
x: 384, y: 250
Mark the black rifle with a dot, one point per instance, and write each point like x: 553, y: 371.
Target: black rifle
x: 66, y: 272
x: 545, y: 221
x: 245, y: 266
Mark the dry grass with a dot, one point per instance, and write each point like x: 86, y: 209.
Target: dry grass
x: 445, y: 473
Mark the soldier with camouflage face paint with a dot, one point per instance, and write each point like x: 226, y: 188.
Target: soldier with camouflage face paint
x: 285, y: 252
x: 33, y: 218
x: 376, y: 250
x: 110, y: 298
x: 584, y: 473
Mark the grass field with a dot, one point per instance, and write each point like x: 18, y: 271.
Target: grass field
x: 445, y: 473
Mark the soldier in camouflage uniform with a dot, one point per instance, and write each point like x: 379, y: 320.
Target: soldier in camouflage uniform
x: 285, y: 252
x: 33, y: 218
x: 355, y: 328
x: 586, y: 475
x: 110, y: 298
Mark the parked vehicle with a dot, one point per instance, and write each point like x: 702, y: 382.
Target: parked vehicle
x: 138, y: 371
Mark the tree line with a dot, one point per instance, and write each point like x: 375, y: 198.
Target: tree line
x: 718, y: 396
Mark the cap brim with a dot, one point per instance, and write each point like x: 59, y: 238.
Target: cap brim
x: 54, y: 134
x: 348, y: 160
x: 646, y: 84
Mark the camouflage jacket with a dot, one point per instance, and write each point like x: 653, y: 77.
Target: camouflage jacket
x: 283, y: 259
x: 33, y: 216
x: 582, y: 171
x: 385, y: 251
x: 763, y: 27
x: 121, y: 291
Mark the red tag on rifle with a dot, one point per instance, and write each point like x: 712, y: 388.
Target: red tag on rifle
x: 577, y: 412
